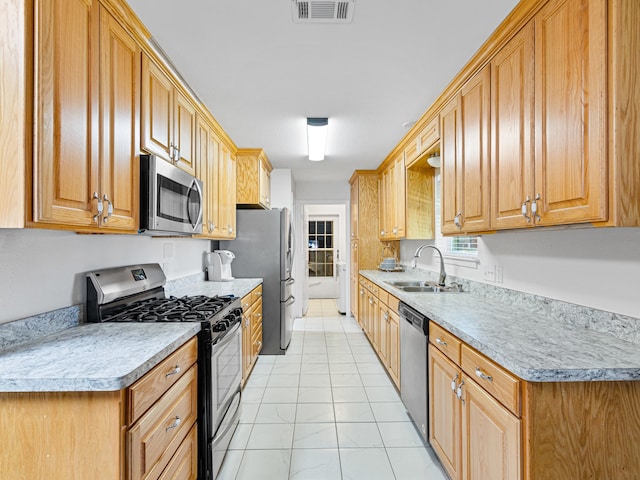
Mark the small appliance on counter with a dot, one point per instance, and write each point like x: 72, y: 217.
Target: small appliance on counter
x: 219, y: 266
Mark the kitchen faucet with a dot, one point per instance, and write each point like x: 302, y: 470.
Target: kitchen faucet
x: 416, y: 255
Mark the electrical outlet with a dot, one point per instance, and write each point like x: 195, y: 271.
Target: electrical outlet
x: 489, y: 273
x: 499, y: 273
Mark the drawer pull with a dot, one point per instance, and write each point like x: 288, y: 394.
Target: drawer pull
x: 175, y: 371
x: 441, y: 342
x: 483, y: 375
x: 176, y: 421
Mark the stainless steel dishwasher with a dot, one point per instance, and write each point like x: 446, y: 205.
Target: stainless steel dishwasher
x: 414, y: 333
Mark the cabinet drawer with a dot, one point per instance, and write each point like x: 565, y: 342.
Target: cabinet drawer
x: 256, y: 294
x: 157, y: 436
x: 383, y: 296
x: 393, y: 302
x: 184, y: 464
x: 445, y: 342
x: 430, y: 133
x: 494, y: 379
x: 256, y: 316
x: 247, y: 301
x: 150, y: 388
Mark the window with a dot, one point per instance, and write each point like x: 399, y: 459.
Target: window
x: 458, y: 246
x: 321, y: 248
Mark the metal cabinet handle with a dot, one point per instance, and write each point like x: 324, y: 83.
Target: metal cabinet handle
x: 459, y: 391
x: 534, y: 208
x: 454, y: 383
x: 524, y: 209
x: 97, y: 216
x: 457, y: 220
x: 483, y: 375
x: 259, y: 315
x: 176, y: 421
x: 109, y: 208
x: 441, y: 342
x: 175, y: 371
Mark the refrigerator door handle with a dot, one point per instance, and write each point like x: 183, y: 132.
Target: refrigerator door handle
x: 290, y: 300
x: 291, y: 281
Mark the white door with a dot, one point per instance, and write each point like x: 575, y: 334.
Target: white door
x: 322, y: 242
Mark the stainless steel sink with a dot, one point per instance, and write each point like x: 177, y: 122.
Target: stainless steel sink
x: 421, y: 289
x: 411, y: 283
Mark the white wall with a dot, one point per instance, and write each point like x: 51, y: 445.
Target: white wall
x: 43, y: 270
x: 596, y: 267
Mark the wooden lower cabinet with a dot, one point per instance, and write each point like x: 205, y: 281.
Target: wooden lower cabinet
x: 474, y: 435
x: 379, y: 319
x: 486, y: 424
x: 117, y: 435
x: 251, y: 330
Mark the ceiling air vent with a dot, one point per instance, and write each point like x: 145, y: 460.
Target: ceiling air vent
x: 322, y: 11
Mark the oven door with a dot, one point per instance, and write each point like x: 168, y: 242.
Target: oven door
x: 226, y: 375
x: 171, y: 199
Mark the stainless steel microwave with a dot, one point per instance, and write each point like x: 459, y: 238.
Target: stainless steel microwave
x: 170, y: 199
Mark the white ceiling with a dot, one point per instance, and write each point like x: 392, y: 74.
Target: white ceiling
x: 261, y: 75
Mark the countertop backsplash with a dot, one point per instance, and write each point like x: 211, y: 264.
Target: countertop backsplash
x: 621, y: 326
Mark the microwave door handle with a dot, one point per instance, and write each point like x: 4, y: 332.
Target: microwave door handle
x: 198, y: 219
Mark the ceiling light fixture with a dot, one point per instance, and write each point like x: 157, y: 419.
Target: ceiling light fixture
x: 317, y: 128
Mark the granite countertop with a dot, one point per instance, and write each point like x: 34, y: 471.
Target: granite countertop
x: 535, y: 347
x: 103, y: 356
x: 91, y: 356
x: 238, y: 287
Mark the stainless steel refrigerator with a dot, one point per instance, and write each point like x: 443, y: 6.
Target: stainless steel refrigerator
x: 264, y: 247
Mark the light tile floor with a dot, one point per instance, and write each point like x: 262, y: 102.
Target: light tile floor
x: 326, y: 410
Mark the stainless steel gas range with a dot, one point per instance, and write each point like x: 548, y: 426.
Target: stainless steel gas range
x: 136, y: 294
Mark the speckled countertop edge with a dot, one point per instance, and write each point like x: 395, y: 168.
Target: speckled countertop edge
x: 101, y: 357
x: 533, y: 346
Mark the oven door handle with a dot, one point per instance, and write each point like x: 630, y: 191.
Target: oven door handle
x: 228, y: 338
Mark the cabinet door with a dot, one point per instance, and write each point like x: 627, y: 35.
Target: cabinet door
x: 157, y: 110
x: 399, y: 182
x: 65, y: 173
x: 362, y: 306
x: 512, y: 111
x: 227, y: 194
x: 246, y: 342
x: 449, y: 178
x: 354, y: 208
x: 374, y: 324
x: 490, y: 437
x: 383, y: 333
x: 120, y: 120
x: 571, y: 124
x: 393, y: 343
x: 473, y: 159
x: 390, y: 202
x: 382, y: 208
x: 185, y: 133
x: 444, y: 413
x: 265, y: 185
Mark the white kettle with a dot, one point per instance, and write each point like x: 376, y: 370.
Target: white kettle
x: 219, y: 265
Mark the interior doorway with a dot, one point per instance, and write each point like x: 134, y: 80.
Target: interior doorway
x: 325, y: 228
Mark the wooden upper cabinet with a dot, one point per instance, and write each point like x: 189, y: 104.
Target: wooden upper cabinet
x: 400, y: 197
x: 512, y: 120
x: 157, y: 110
x: 549, y: 134
x: 120, y: 127
x: 465, y: 157
x: 570, y: 113
x: 185, y: 133
x: 65, y: 171
x: 82, y: 53
x: 253, y: 178
x: 429, y: 135
x: 227, y: 193
x: 168, y: 118
x: 354, y: 207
